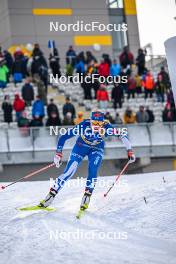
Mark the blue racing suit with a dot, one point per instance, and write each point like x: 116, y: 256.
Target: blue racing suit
x: 90, y: 144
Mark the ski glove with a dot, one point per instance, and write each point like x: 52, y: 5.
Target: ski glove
x: 131, y: 156
x: 58, y: 159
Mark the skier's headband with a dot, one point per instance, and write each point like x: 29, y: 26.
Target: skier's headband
x: 97, y: 116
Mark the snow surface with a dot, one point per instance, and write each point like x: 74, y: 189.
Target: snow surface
x: 118, y: 229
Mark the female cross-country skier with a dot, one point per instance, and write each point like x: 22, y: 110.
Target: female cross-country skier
x: 90, y: 143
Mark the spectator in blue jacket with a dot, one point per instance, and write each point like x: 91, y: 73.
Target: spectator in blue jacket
x: 80, y: 67
x: 115, y: 68
x: 38, y: 108
x: 71, y: 56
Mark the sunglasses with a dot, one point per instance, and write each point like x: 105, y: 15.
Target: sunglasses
x: 97, y: 123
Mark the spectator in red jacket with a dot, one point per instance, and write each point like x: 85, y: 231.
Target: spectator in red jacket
x: 18, y: 53
x: 104, y: 69
x: 18, y: 106
x: 131, y: 87
x: 148, y: 84
x: 102, y: 97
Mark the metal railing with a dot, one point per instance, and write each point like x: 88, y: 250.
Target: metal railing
x: 36, y: 144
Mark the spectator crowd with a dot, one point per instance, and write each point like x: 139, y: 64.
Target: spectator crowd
x: 32, y: 70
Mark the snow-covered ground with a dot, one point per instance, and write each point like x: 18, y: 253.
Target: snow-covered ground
x: 118, y: 229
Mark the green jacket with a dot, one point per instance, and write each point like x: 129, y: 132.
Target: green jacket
x: 3, y: 73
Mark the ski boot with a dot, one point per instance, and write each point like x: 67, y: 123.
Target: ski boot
x: 85, y: 200
x: 48, y: 199
x: 84, y: 204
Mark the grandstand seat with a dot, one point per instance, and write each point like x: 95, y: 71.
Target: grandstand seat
x: 3, y: 141
x: 3, y: 125
x: 160, y: 134
x: 174, y: 128
x: 13, y: 125
x: 114, y: 142
x: 18, y: 142
x: 138, y: 135
x: 43, y: 140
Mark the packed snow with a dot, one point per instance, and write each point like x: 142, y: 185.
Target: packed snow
x: 121, y: 228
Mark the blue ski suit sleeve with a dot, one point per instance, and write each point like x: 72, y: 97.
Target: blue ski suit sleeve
x: 122, y: 135
x: 69, y: 134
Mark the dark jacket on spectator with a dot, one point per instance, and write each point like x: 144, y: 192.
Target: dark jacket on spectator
x: 41, y: 90
x: 160, y: 87
x: 38, y: 61
x: 109, y: 117
x: 170, y: 98
x: 71, y: 56
x: 28, y: 92
x: 53, y: 121
x: 165, y: 77
x: 90, y: 57
x: 9, y: 59
x: 169, y: 114
x: 67, y: 122
x: 17, y: 66
x: 140, y: 62
x: 117, y: 94
x: 54, y: 63
x: 52, y: 108
x: 69, y: 107
x: 36, y: 122
x: 7, y: 109
x: 151, y: 116
x: 87, y: 87
x: 126, y: 58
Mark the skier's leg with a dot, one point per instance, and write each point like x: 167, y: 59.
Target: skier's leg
x: 75, y: 158
x: 94, y: 159
x: 69, y: 171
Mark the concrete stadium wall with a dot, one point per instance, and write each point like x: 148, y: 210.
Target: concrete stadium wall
x: 27, y: 27
x: 25, y: 24
x: 5, y: 31
x: 133, y: 30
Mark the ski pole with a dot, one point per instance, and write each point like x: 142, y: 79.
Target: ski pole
x: 28, y: 176
x: 118, y: 176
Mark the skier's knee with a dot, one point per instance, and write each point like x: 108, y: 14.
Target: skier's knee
x: 90, y: 184
x: 68, y: 173
x: 88, y: 191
